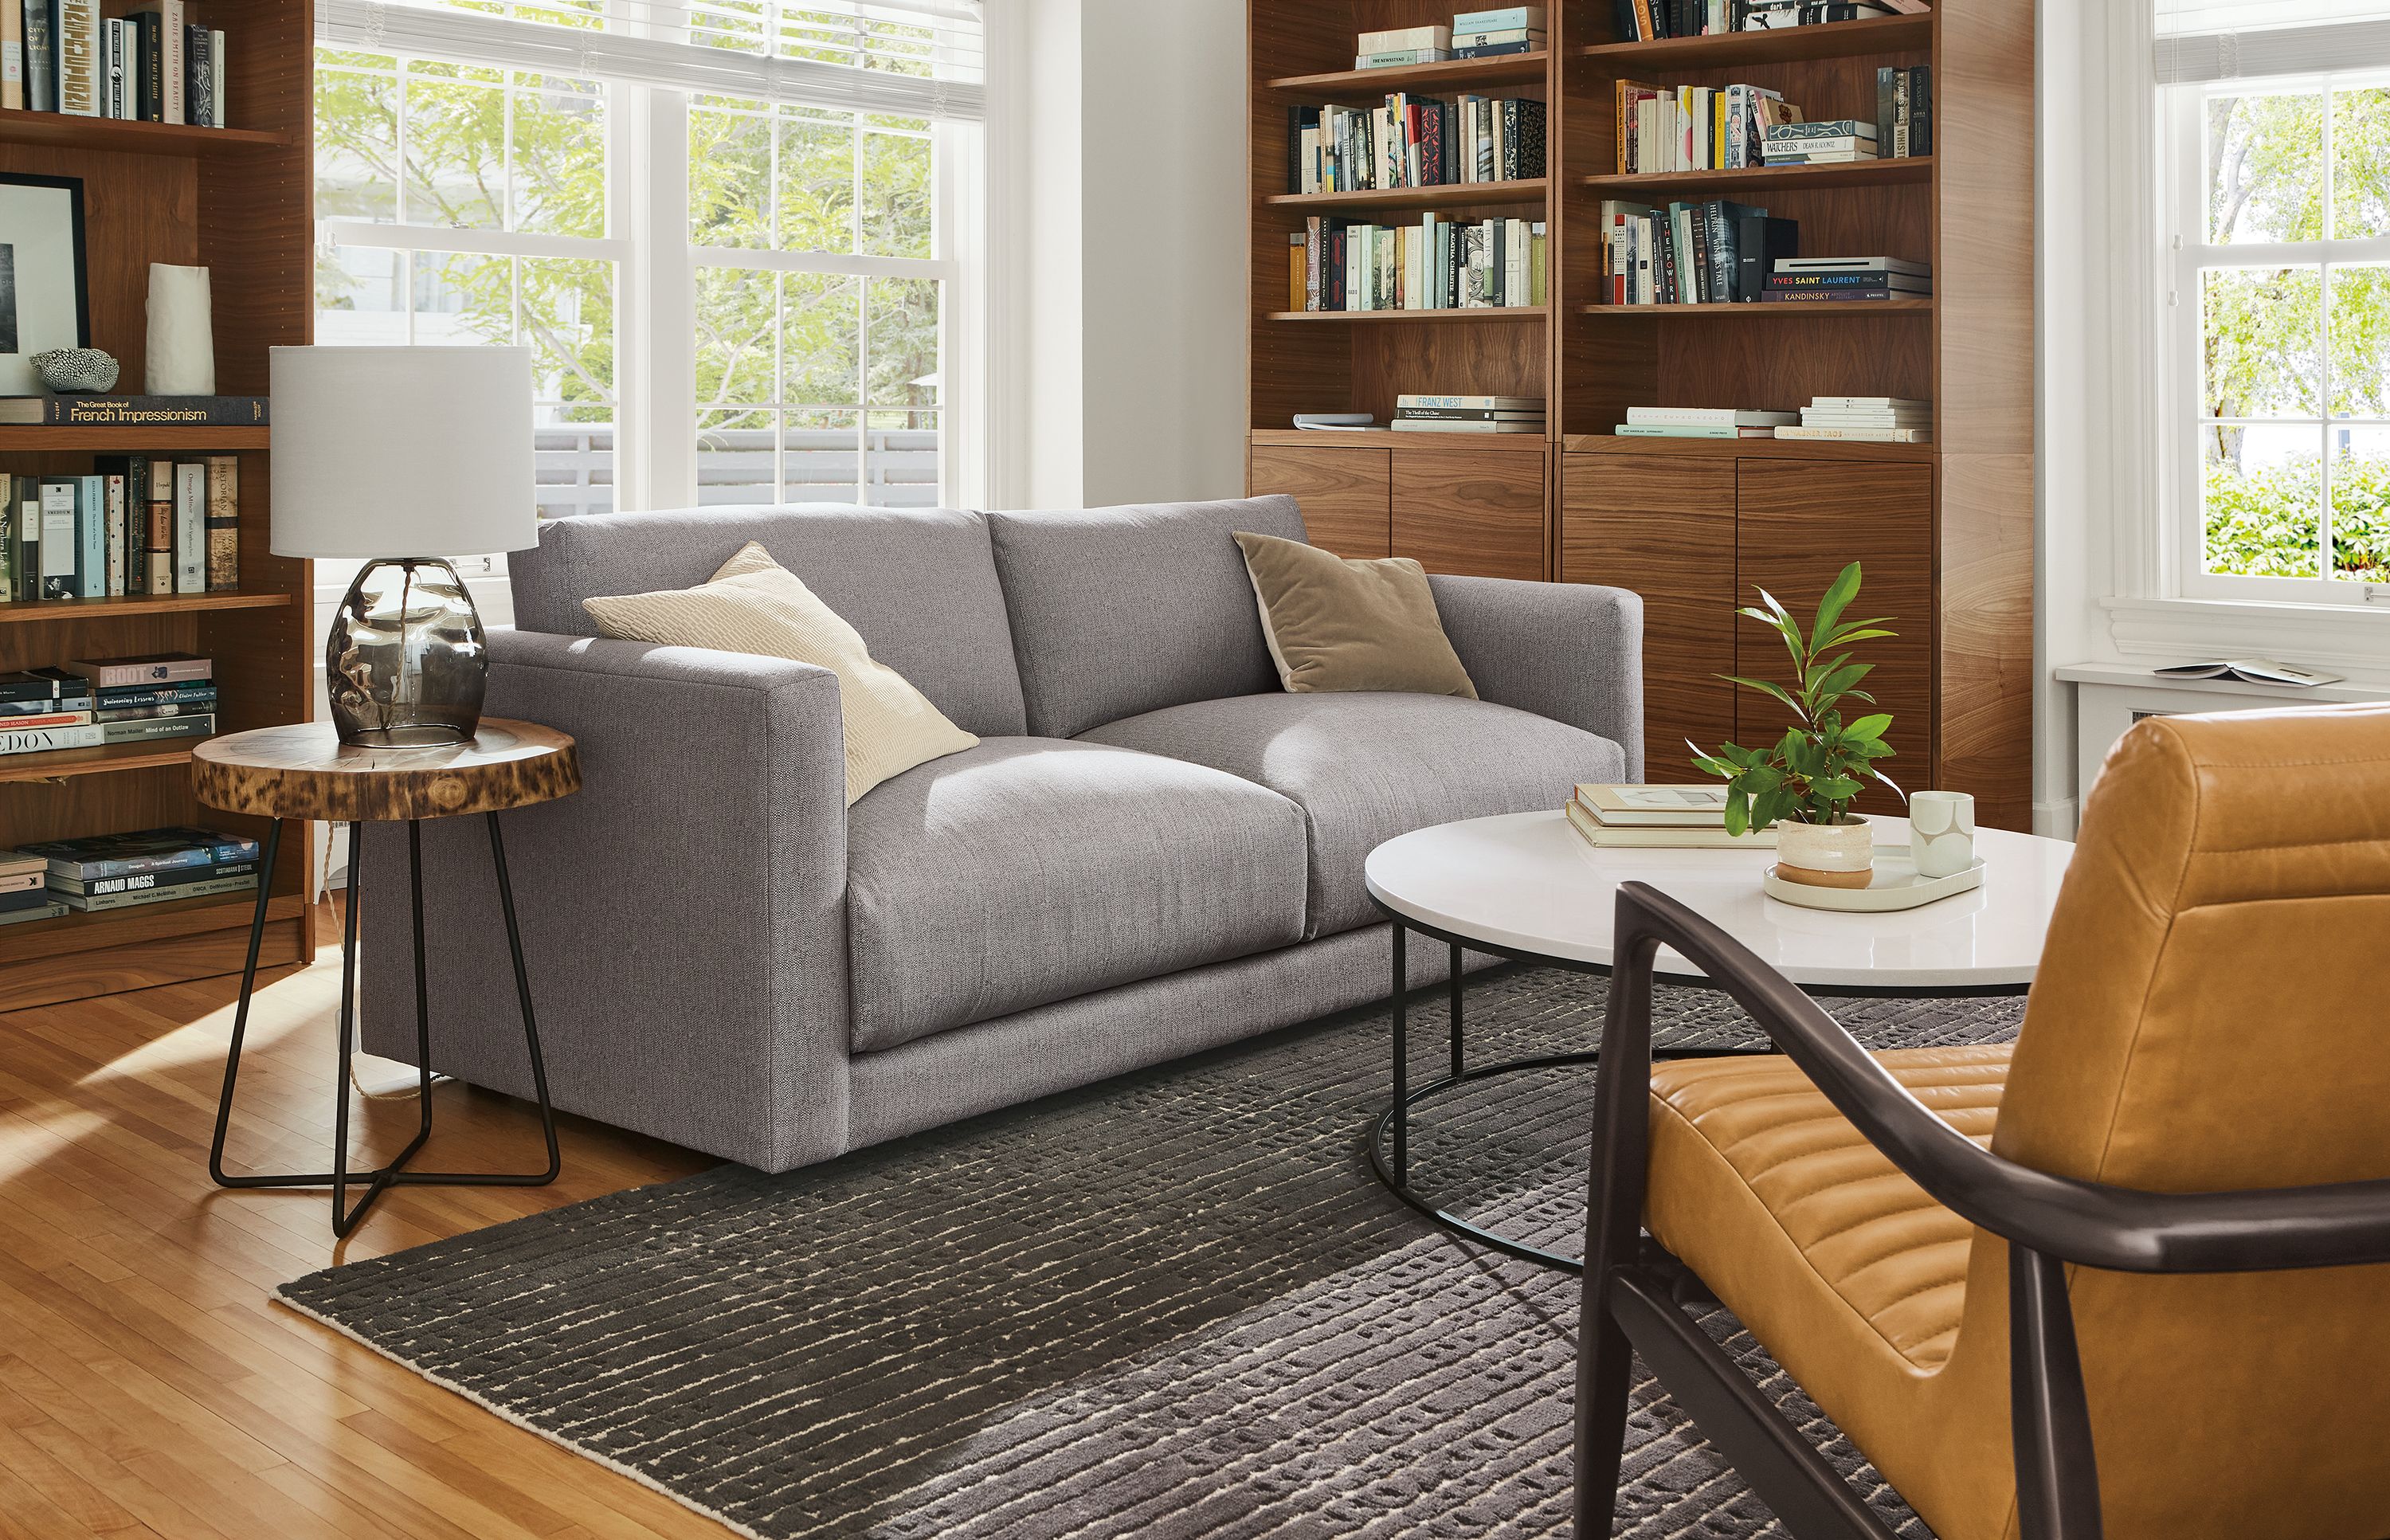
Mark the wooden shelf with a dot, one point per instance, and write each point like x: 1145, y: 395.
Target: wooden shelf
x: 74, y: 932
x: 1729, y: 449
x: 65, y: 764
x: 1900, y: 171
x: 1481, y: 313
x: 1460, y: 74
x: 139, y: 604
x: 1386, y: 438
x: 1521, y: 189
x: 1839, y: 309
x: 65, y: 131
x: 1883, y: 34
x: 109, y: 440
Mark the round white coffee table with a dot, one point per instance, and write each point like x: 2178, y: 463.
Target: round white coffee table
x: 1528, y: 887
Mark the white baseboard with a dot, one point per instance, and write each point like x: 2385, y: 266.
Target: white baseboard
x: 2055, y: 820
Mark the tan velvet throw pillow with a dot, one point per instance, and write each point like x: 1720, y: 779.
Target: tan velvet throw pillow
x: 756, y: 606
x: 1336, y: 625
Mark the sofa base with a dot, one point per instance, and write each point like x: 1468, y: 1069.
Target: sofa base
x: 993, y: 1064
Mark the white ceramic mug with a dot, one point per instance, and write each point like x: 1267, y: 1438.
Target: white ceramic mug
x: 1942, y: 832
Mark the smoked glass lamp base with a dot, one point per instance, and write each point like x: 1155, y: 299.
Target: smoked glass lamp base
x: 407, y: 662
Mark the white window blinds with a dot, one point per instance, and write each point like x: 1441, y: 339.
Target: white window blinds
x: 910, y: 58
x: 2203, y: 40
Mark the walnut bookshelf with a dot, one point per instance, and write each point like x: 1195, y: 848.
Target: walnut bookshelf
x: 1944, y: 530
x: 237, y: 200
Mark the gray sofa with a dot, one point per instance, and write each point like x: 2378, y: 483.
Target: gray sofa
x: 1152, y: 851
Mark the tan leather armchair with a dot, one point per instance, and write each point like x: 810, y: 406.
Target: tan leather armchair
x: 2185, y: 1332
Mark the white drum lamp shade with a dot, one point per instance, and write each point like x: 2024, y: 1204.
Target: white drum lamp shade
x: 403, y: 452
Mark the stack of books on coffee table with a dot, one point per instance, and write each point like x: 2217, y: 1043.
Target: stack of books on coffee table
x: 1661, y: 815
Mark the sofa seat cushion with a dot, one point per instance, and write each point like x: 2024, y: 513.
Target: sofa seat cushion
x: 1366, y: 767
x: 1028, y: 870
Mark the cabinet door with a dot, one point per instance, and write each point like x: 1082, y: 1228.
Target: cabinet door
x: 1344, y: 493
x: 1665, y: 529
x: 1476, y: 512
x: 1799, y: 522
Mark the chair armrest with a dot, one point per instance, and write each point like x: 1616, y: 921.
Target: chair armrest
x: 683, y: 914
x: 2123, y: 1229
x: 1571, y: 652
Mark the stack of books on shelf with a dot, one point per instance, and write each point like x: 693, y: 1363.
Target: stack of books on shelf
x: 1715, y: 253
x: 1469, y: 414
x: 1642, y: 20
x: 153, y: 865
x: 138, y: 525
x: 1688, y: 815
x: 1473, y: 34
x: 1438, y: 264
x: 1825, y: 280
x: 1865, y: 419
x: 1904, y: 111
x: 1836, y: 141
x: 154, y: 62
x: 1679, y: 128
x: 108, y: 701
x: 24, y: 893
x: 1702, y: 422
x: 1414, y: 142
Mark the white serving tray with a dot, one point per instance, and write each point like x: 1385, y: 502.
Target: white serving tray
x: 1895, y: 886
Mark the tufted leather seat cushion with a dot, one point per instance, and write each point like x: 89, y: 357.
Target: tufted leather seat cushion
x: 1895, y: 1256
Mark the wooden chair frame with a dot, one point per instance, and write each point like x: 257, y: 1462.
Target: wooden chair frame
x: 1632, y: 1285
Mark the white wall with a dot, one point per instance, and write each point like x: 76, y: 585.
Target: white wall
x: 1125, y: 152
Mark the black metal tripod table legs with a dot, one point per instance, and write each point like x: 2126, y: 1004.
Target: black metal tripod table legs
x: 395, y: 1173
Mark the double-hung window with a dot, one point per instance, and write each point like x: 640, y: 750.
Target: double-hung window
x: 738, y: 236
x: 2275, y: 189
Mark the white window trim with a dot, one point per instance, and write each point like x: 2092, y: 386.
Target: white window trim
x: 656, y: 459
x: 2182, y: 111
x: 2128, y: 500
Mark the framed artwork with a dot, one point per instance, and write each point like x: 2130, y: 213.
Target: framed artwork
x: 44, y: 298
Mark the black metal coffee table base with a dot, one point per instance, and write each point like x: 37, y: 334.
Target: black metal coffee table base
x: 395, y: 1174
x: 1389, y: 1137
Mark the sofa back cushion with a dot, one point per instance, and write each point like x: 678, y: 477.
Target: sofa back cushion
x: 1116, y: 611
x: 919, y: 584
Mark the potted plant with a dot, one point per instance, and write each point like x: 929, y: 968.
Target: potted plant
x: 1804, y: 783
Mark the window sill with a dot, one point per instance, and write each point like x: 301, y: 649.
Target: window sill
x: 2350, y: 639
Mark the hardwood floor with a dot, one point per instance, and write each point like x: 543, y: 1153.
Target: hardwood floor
x: 148, y: 1386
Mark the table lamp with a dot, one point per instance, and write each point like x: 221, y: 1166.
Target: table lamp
x: 408, y: 450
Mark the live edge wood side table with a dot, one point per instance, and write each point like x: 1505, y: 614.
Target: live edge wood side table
x: 304, y: 772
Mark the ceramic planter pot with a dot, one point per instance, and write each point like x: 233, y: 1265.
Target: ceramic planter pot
x: 1826, y: 855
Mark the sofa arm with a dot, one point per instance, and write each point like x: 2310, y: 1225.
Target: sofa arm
x: 1571, y: 652
x: 683, y: 914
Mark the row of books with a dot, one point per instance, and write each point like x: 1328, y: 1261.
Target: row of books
x: 50, y: 877
x: 1713, y: 253
x: 150, y: 64
x: 1438, y: 264
x: 1468, y: 413
x: 1473, y: 34
x: 1642, y: 20
x: 1414, y: 142
x: 1611, y: 817
x: 136, y: 525
x: 106, y: 701
x: 1865, y: 419
x: 1904, y: 111
x: 1677, y: 128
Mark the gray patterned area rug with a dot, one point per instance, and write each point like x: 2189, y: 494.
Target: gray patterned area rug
x: 1172, y: 1304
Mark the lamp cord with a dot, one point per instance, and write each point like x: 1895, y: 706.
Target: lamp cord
x: 409, y: 1093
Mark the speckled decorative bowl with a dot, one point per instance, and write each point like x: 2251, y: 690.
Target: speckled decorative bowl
x: 72, y: 370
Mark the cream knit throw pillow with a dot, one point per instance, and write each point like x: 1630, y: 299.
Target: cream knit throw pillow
x: 755, y: 604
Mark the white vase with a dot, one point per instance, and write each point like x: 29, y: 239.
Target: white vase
x: 1826, y: 855
x: 1942, y: 832
x: 182, y: 359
